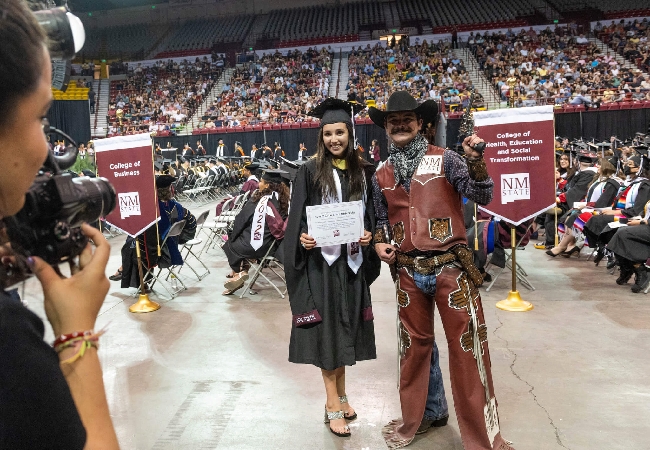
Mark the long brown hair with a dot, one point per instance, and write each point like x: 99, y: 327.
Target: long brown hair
x: 283, y: 196
x: 324, y: 174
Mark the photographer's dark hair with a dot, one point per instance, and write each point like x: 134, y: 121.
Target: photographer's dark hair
x: 23, y: 41
x: 324, y: 175
x: 283, y: 196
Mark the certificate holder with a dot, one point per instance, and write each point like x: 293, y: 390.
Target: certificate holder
x: 335, y: 223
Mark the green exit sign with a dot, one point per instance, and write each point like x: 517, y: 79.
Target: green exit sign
x: 556, y: 21
x: 394, y: 31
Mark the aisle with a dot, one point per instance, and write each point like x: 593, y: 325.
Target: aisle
x: 211, y: 372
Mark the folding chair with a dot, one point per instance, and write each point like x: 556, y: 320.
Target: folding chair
x: 174, y: 231
x: 187, y: 247
x: 521, y: 273
x: 267, y: 262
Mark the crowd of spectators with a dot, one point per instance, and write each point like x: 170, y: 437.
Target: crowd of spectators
x: 272, y: 89
x: 160, y: 98
x: 556, y: 66
x: 628, y: 39
x: 426, y: 70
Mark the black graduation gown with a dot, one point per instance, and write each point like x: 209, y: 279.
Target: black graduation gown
x: 606, y: 199
x: 632, y: 243
x: 238, y: 247
x: 341, y: 297
x: 596, y: 229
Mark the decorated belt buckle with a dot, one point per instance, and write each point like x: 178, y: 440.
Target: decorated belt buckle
x: 436, y: 263
x: 416, y: 264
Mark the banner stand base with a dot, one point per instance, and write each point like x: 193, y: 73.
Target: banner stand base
x: 144, y: 305
x: 514, y: 303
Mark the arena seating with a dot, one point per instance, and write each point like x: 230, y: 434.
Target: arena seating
x: 202, y: 34
x: 160, y: 98
x: 556, y: 67
x: 629, y: 39
x: 73, y: 92
x: 447, y: 12
x: 280, y: 91
x: 125, y: 42
x: 317, y: 22
x: 375, y: 73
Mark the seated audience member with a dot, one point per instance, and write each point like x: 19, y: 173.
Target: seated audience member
x: 170, y: 212
x: 574, y: 191
x: 245, y: 241
x: 630, y: 201
x: 631, y: 246
x: 250, y: 174
x: 601, y: 194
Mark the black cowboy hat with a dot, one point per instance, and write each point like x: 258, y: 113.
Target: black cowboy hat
x: 402, y: 101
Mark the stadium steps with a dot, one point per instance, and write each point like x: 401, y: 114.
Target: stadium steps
x: 391, y: 15
x: 336, y: 71
x: 160, y: 44
x: 99, y: 127
x: 482, y: 84
x: 216, y: 90
x: 344, y: 76
x: 605, y: 49
x: 256, y: 30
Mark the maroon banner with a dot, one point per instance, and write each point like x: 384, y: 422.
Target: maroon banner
x: 127, y: 162
x: 520, y: 158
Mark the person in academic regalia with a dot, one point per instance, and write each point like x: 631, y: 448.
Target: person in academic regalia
x: 278, y: 152
x: 255, y: 153
x: 252, y: 183
x: 239, y: 150
x: 601, y: 194
x: 222, y: 150
x: 302, y: 152
x: 631, y: 246
x: 267, y: 153
x: 260, y: 223
x: 630, y: 202
x: 329, y: 286
x: 170, y: 212
x: 574, y: 191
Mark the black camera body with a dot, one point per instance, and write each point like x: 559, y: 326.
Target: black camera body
x: 56, y: 205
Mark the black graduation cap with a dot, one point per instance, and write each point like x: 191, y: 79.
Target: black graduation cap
x: 252, y: 166
x: 158, y: 166
x: 334, y: 110
x: 164, y: 181
x: 587, y: 156
x: 212, y: 161
x: 88, y: 173
x: 182, y: 159
x: 273, y: 175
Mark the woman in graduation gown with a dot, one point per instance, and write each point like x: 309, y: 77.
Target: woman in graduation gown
x: 631, y: 245
x: 601, y: 194
x: 329, y: 286
x: 629, y: 202
x: 260, y: 223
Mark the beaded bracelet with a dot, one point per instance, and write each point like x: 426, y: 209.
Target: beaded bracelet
x: 83, y: 346
x: 80, y: 340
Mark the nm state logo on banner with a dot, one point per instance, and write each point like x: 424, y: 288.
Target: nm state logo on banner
x: 129, y: 204
x: 514, y: 186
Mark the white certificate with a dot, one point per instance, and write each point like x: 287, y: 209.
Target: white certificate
x: 335, y: 223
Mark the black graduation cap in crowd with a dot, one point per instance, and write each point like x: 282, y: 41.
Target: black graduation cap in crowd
x: 158, y: 166
x: 587, y: 156
x: 334, y: 110
x: 88, y: 173
x: 164, y: 181
x: 182, y: 160
x: 252, y: 166
x: 273, y: 175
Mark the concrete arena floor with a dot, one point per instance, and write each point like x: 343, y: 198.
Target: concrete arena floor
x: 211, y: 372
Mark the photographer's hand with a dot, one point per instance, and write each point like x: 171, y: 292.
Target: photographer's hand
x: 72, y: 304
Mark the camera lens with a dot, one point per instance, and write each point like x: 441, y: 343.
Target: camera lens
x: 98, y: 200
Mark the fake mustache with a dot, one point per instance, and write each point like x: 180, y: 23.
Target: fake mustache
x: 401, y: 130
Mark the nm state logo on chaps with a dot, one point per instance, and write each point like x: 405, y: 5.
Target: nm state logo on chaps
x: 514, y: 186
x: 129, y: 204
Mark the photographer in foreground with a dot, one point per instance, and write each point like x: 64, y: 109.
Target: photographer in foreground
x: 47, y: 400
